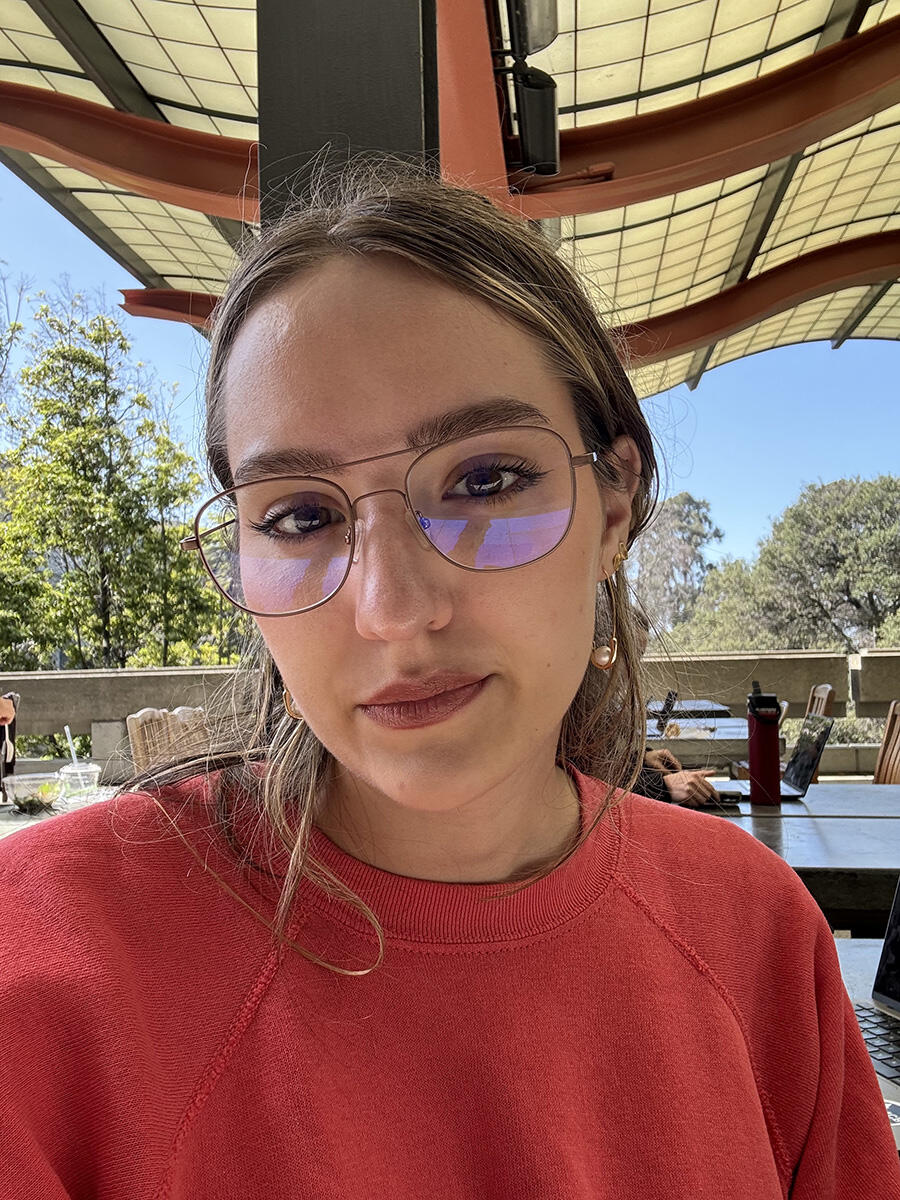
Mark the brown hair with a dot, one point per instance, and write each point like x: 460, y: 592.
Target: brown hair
x: 461, y: 238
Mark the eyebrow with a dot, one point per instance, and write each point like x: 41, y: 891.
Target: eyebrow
x: 494, y: 413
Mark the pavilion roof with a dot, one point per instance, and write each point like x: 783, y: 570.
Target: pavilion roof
x: 711, y: 222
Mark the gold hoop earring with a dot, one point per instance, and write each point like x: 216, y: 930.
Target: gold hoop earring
x: 289, y: 706
x: 619, y: 557
x: 603, y: 657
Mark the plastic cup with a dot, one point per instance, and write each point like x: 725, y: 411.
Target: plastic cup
x: 79, y: 779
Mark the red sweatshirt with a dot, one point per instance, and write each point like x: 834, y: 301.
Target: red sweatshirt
x: 662, y: 1016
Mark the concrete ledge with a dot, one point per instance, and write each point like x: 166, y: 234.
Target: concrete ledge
x: 879, y: 682
x: 729, y: 677
x: 52, y: 699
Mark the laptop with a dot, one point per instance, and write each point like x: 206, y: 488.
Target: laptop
x: 801, y: 766
x: 880, y: 1020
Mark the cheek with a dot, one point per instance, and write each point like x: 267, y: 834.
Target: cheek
x: 303, y: 652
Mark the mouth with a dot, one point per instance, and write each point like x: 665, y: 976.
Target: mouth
x: 416, y: 703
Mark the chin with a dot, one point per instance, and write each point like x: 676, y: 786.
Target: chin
x: 441, y: 780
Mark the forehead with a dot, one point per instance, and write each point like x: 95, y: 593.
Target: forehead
x: 357, y: 351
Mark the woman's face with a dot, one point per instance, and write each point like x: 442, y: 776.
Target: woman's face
x: 345, y: 360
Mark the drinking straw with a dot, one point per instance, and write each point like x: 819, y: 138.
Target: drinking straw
x: 71, y: 746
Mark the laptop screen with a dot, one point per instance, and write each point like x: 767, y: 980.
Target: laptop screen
x: 886, y: 990
x: 810, y: 744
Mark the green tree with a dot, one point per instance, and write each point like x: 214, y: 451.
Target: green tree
x: 95, y: 498
x: 826, y: 577
x: 668, y: 562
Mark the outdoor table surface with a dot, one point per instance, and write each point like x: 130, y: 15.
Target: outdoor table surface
x: 831, y: 800
x: 709, y: 728
x: 842, y: 839
x: 11, y: 820
x: 689, y: 708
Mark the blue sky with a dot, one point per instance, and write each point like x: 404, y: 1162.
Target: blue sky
x: 747, y: 440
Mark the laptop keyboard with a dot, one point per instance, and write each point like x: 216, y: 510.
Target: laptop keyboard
x: 882, y: 1037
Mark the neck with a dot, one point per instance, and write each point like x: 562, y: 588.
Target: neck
x: 503, y: 833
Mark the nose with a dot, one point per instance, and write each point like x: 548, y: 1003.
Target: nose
x: 397, y: 579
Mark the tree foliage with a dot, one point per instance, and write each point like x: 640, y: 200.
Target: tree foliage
x: 826, y: 577
x: 95, y: 496
x: 668, y: 562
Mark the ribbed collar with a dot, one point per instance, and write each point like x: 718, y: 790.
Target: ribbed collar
x: 423, y: 911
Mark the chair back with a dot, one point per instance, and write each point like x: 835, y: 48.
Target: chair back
x: 821, y: 700
x: 887, y: 767
x: 158, y: 734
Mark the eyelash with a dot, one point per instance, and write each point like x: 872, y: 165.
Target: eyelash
x: 528, y: 473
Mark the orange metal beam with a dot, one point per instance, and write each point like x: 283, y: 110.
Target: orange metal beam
x: 193, y: 308
x: 202, y: 171
x: 723, y: 134
x: 854, y: 263
x: 471, y: 143
x: 648, y: 156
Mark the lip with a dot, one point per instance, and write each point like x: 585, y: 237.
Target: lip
x: 428, y: 708
x: 402, y: 690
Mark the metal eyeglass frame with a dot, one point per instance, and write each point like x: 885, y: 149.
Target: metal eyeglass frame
x: 195, y: 540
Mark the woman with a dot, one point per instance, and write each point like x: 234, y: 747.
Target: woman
x: 492, y: 974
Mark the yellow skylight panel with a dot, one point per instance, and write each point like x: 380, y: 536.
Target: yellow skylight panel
x: 181, y: 22
x: 164, y: 84
x: 235, y: 29
x: 140, y: 49
x: 244, y: 65
x: 199, y: 62
x: 44, y: 51
x: 610, y: 43
x: 19, y: 17
x: 119, y: 14
x: 607, y: 83
x: 687, y: 23
x: 673, y: 66
x: 798, y: 19
x: 224, y: 97
x: 747, y: 41
x: 558, y: 56
x: 188, y: 120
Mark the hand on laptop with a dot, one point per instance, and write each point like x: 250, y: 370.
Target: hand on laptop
x: 691, y: 788
x: 661, y: 760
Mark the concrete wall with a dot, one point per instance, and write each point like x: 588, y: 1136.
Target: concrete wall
x: 879, y: 682
x: 728, y: 678
x: 52, y: 699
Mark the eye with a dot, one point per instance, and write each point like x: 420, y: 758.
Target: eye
x: 487, y: 480
x: 295, y: 520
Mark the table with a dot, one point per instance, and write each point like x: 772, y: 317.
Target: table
x: 859, y: 962
x: 689, y: 708
x: 843, y: 840
x: 11, y: 820
x: 704, y: 741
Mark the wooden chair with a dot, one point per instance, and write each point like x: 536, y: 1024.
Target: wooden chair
x: 887, y: 767
x: 821, y: 700
x: 157, y: 735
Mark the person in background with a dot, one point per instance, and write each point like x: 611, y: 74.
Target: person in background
x: 9, y: 704
x: 662, y: 777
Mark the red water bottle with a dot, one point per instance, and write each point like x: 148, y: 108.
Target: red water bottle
x: 763, y: 713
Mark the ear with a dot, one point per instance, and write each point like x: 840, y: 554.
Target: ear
x: 624, y: 458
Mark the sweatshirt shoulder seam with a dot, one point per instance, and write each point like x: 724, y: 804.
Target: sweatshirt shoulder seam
x: 702, y: 967
x: 218, y: 1064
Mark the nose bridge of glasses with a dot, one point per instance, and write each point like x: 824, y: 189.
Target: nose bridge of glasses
x: 358, y: 527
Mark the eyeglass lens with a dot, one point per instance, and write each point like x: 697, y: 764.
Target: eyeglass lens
x: 488, y: 502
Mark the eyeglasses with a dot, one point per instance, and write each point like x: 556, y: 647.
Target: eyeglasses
x: 487, y: 502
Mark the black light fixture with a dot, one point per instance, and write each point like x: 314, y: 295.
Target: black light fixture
x: 533, y: 25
